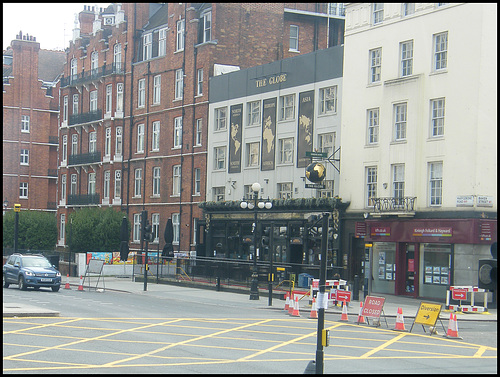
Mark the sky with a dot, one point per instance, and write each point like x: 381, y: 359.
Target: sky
x: 51, y: 23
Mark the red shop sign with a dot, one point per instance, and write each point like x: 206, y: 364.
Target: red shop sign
x: 373, y: 306
x: 411, y: 265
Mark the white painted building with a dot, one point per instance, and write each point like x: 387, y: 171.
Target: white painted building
x: 419, y: 143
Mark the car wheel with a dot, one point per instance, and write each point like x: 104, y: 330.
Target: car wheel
x: 5, y: 284
x: 55, y: 289
x: 22, y: 284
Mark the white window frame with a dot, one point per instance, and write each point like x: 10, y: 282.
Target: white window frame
x: 119, y: 96
x: 25, y: 123
x: 94, y: 63
x: 438, y: 108
x: 294, y: 39
x: 176, y: 222
x: 92, y: 142
x: 328, y: 100
x: 117, y: 57
x: 74, y: 144
x: 118, y: 184
x: 91, y: 183
x: 199, y: 130
x: 371, y: 174
x: 373, y: 121
x: 178, y: 132
x: 62, y: 229
x: 408, y: 9
x: 155, y: 140
x: 147, y: 41
x: 23, y: 190
x: 253, y: 155
x: 137, y: 183
x: 93, y: 101
x: 109, y: 98
x: 65, y: 108
x: 64, y: 156
x: 105, y: 185
x: 73, y: 69
x: 162, y: 42
x: 220, y: 123
x: 286, y: 149
x: 73, y: 184
x: 107, y: 142
x: 76, y: 100
x: 119, y: 141
x: 179, y: 84
x: 377, y: 13
x: 285, y: 190
x: 156, y: 181
x: 140, y: 138
x: 180, y: 37
x: 400, y: 121
x: 440, y: 45
x: 406, y: 58
x: 25, y: 157
x: 219, y: 158
x: 141, y: 93
x: 157, y: 90
x: 137, y: 227
x: 63, y: 187
x: 287, y: 103
x: 253, y: 112
x: 398, y: 183
x: 155, y: 227
x: 207, y: 27
x: 219, y: 194
x: 435, y: 184
x: 176, y: 180
x: 197, y: 181
x: 199, y: 82
x: 375, y: 65
x: 326, y: 143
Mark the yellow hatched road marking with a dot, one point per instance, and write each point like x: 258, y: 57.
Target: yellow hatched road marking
x: 382, y: 346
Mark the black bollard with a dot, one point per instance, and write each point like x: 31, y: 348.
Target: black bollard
x: 217, y: 284
x: 355, y: 289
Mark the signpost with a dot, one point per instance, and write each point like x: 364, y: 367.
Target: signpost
x: 427, y: 315
x: 373, y: 307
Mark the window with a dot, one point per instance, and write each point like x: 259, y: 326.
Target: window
x: 436, y: 183
x: 373, y: 123
x: 72, y: 189
x: 92, y: 142
x: 437, y: 117
x: 156, y: 181
x: 140, y: 138
x: 25, y: 157
x: 371, y: 185
x: 378, y: 13
x: 286, y: 151
x: 197, y: 181
x: 23, y: 190
x: 440, y: 51
x: 156, y: 89
x: 253, y: 110
x: 328, y: 100
x: 375, y: 65
x: 107, y: 142
x: 162, y: 42
x: 141, y: 99
x: 73, y: 69
x: 285, y: 190
x: 327, y: 192
x: 137, y: 227
x: 155, y: 227
x: 178, y: 132
x: 106, y: 184
x: 287, y: 107
x: 93, y: 101
x: 65, y: 108
x: 118, y: 184
x: 118, y: 142
x: 406, y: 58
x: 198, y: 131
x: 400, y: 121
x: 206, y: 27
x: 25, y: 123
x: 326, y: 143
x: 199, y: 83
x: 109, y: 93
x: 63, y: 186
x: 76, y: 98
x: 117, y: 57
x: 219, y: 158
x: 74, y: 144
x: 398, y: 183
x: 62, y: 229
x: 219, y: 194
x: 156, y: 137
x: 253, y: 154
x: 294, y: 38
x: 94, y: 63
x: 64, y: 156
x: 408, y: 8
x: 147, y: 40
x: 119, y: 97
x: 176, y: 180
x: 91, y: 190
x: 137, y: 182
x: 176, y: 222
x: 220, y: 118
x: 179, y: 46
x: 179, y: 84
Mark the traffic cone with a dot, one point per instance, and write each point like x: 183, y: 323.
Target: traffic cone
x: 453, y: 327
x: 287, y: 301
x: 67, y: 282
x: 400, y: 322
x: 361, y: 319
x: 290, y: 306
x: 314, y: 312
x: 80, y: 287
x: 343, y: 317
x: 295, y: 312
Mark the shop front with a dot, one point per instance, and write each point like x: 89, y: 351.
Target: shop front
x: 422, y: 258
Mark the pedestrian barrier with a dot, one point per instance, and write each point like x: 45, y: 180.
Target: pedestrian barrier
x: 314, y: 312
x: 331, y: 287
x: 67, y: 282
x: 400, y: 322
x: 460, y: 293
x: 453, y: 327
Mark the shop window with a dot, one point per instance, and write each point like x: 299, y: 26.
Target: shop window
x: 437, y: 258
x: 384, y: 267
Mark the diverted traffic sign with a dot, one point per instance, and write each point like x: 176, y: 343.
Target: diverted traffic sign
x: 459, y: 294
x: 373, y: 306
x: 344, y: 295
x: 427, y: 314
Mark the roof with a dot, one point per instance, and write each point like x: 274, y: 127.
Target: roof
x: 159, y: 18
x: 50, y: 64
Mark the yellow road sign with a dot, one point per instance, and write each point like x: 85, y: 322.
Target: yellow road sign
x: 428, y: 314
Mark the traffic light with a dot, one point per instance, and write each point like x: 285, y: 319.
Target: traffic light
x: 147, y: 234
x: 266, y: 237
x: 487, y: 271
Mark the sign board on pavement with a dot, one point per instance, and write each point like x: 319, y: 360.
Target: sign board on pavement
x: 427, y: 314
x: 373, y: 306
x: 459, y: 294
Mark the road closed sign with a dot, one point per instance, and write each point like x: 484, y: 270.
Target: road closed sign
x: 428, y: 314
x: 373, y: 306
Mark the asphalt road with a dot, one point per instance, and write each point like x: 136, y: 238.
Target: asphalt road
x: 186, y: 330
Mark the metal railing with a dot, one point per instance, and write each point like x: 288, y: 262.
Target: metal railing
x: 396, y: 204
x: 91, y: 116
x: 84, y: 158
x: 93, y: 74
x: 83, y: 199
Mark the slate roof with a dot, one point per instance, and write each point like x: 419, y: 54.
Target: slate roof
x: 158, y: 19
x: 50, y: 64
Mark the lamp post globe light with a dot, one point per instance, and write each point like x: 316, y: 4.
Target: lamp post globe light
x: 255, y: 206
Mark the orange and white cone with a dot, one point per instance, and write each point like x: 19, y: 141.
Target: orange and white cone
x: 290, y: 306
x: 453, y: 327
x: 80, y: 287
x: 400, y: 322
x: 67, y: 282
x: 314, y: 312
x: 295, y: 312
x: 343, y: 317
x: 361, y: 319
x: 287, y: 301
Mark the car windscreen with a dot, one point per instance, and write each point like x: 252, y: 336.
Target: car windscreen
x: 36, y: 262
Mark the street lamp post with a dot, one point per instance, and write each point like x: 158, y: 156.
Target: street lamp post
x: 256, y: 205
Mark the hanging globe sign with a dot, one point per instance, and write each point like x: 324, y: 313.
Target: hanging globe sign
x: 316, y: 173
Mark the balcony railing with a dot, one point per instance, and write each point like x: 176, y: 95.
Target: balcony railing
x: 402, y: 204
x: 91, y: 116
x: 84, y: 158
x: 93, y: 74
x: 83, y: 199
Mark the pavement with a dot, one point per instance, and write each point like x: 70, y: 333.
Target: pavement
x: 408, y: 305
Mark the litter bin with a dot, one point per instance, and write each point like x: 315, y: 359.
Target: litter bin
x: 304, y: 280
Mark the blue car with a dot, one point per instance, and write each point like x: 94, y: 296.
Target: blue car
x: 28, y: 270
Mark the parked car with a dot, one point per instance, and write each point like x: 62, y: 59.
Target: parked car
x: 30, y: 270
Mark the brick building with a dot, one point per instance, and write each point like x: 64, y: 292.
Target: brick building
x: 30, y: 123
x: 134, y: 100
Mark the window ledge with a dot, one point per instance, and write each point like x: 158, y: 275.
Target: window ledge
x: 214, y: 42
x: 401, y: 80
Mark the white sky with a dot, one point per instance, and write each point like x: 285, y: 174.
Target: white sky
x: 51, y: 23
